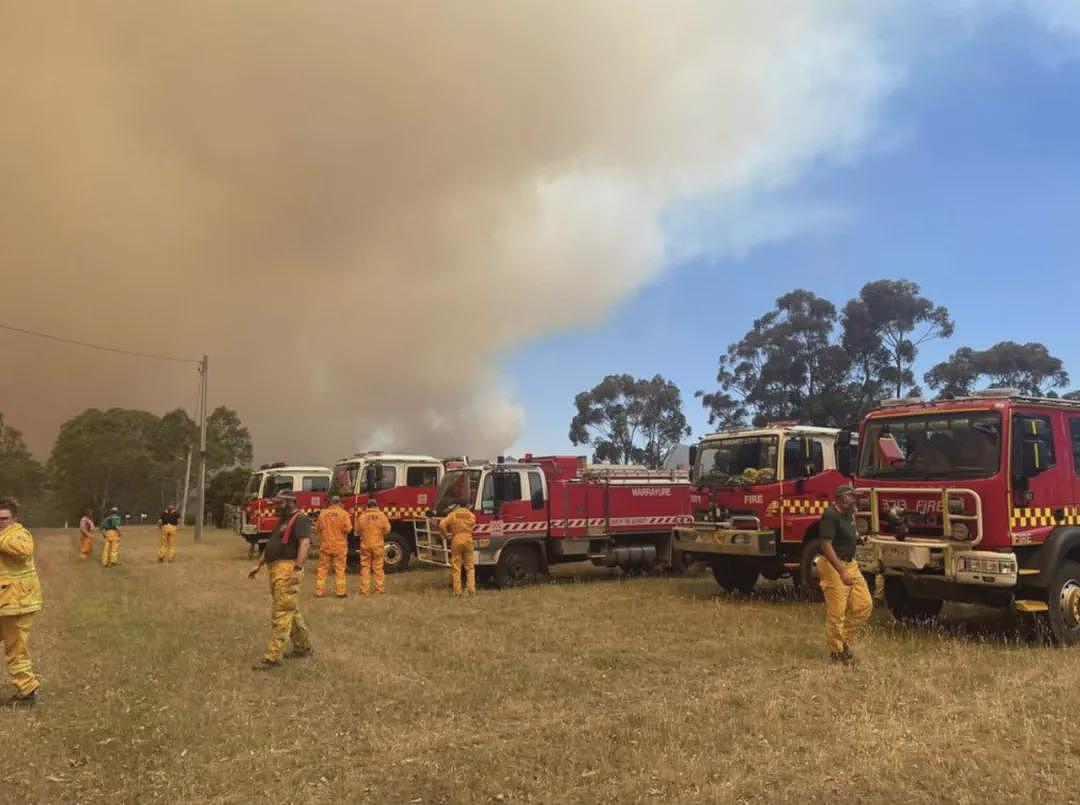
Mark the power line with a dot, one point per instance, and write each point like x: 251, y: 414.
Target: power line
x: 98, y: 346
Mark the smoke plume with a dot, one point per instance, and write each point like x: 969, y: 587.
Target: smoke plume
x: 356, y: 208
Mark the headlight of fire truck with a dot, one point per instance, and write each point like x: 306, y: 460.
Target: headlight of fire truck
x: 960, y: 532
x: 862, y: 526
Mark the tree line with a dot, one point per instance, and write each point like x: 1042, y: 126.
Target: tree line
x: 126, y: 458
x: 809, y: 361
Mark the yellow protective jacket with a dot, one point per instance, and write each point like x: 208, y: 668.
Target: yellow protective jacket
x: 20, y: 590
x: 459, y: 521
x: 372, y: 527
x: 333, y: 529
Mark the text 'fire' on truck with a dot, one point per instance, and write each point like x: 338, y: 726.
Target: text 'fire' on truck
x: 758, y: 498
x: 404, y: 485
x: 975, y: 499
x: 553, y: 509
x: 257, y: 516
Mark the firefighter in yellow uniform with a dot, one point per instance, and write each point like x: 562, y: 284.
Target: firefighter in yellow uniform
x: 333, y: 528
x: 20, y: 598
x: 459, y: 524
x: 86, y: 534
x: 285, y: 553
x: 167, y: 525
x: 847, y: 598
x: 110, y: 528
x: 372, y: 528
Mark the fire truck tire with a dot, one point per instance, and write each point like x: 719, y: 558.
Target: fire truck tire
x: 518, y: 566
x: 681, y: 562
x: 806, y: 578
x: 1063, y: 598
x: 734, y: 575
x: 906, y: 607
x: 396, y: 554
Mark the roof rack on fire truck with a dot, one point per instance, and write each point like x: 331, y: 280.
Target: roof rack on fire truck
x: 981, y: 396
x: 630, y: 472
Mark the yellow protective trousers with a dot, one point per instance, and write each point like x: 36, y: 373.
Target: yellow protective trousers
x: 86, y: 542
x: 166, y: 545
x: 461, y: 555
x: 330, y: 561
x: 286, y: 622
x: 14, y: 631
x: 846, y: 608
x: 371, y: 559
x: 110, y: 551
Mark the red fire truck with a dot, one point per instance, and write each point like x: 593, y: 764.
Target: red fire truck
x: 405, y: 487
x: 758, y: 497
x: 546, y: 510
x: 975, y: 499
x: 258, y: 516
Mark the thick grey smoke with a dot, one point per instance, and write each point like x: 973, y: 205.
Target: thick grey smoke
x: 356, y: 208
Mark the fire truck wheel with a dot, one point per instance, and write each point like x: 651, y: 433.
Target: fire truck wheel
x: 517, y: 567
x: 1063, y: 597
x: 396, y: 553
x: 681, y: 562
x: 906, y: 607
x: 735, y: 575
x: 806, y: 578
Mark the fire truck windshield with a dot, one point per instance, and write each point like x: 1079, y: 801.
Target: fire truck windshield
x: 457, y: 487
x: 942, y: 445
x: 254, y: 483
x: 738, y: 460
x: 344, y: 479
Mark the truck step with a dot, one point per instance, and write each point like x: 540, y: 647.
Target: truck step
x: 1026, y: 605
x: 1028, y: 571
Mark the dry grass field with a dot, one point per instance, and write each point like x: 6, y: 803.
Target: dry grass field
x: 587, y: 689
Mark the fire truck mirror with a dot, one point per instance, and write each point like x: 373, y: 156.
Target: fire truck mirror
x: 1033, y: 458
x: 372, y: 474
x: 693, y: 458
x: 844, y: 458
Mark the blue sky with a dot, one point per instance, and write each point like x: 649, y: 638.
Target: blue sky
x: 970, y: 187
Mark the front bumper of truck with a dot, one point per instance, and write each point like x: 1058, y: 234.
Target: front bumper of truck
x: 715, y: 539
x: 936, y: 559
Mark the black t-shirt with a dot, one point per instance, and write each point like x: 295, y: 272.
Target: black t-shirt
x: 276, y: 550
x: 170, y: 518
x: 840, y: 529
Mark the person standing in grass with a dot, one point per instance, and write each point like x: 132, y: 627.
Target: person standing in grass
x: 372, y: 528
x: 86, y: 534
x: 847, y: 598
x: 459, y: 525
x: 110, y: 529
x: 332, y: 526
x: 20, y: 598
x: 285, y: 553
x: 167, y: 524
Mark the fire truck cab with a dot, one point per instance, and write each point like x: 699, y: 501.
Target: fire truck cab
x: 758, y: 497
x: 405, y: 487
x: 553, y: 509
x: 258, y: 516
x: 975, y: 499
